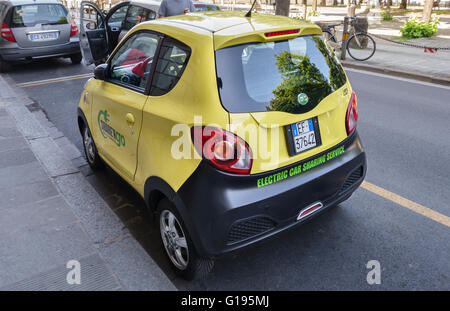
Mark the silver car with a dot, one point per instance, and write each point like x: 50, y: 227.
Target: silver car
x: 32, y: 29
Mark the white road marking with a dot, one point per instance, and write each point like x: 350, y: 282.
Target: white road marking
x: 54, y: 80
x: 382, y: 75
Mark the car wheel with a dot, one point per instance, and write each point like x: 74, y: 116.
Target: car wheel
x: 76, y: 58
x: 4, y: 66
x: 92, y: 157
x: 178, y: 244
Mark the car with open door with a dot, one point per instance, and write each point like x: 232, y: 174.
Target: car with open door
x: 100, y: 33
x: 231, y: 127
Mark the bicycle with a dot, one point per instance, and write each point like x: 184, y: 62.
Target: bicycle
x: 360, y: 46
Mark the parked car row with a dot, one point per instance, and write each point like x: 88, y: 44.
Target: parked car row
x: 33, y: 29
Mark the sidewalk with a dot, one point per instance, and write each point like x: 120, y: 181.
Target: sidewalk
x: 50, y: 214
x: 395, y: 58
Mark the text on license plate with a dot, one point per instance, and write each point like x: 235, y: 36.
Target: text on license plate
x: 47, y: 36
x: 304, y: 135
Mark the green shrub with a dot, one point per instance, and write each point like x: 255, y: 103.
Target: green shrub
x: 416, y: 28
x: 386, y: 16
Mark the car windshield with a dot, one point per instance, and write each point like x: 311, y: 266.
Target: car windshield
x: 205, y: 7
x: 291, y: 76
x: 33, y: 14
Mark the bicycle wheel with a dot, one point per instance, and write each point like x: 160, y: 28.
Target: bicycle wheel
x: 327, y: 35
x: 361, y: 46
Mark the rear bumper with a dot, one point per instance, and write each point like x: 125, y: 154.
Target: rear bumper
x: 225, y: 212
x: 17, y: 53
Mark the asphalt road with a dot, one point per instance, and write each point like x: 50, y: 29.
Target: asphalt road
x: 405, y: 129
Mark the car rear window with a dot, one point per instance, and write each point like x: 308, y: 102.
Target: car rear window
x: 33, y: 14
x: 272, y: 76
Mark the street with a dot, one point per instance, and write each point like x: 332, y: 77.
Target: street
x: 404, y: 127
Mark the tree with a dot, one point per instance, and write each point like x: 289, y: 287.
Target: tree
x: 314, y: 5
x: 323, y: 2
x: 427, y: 8
x: 282, y: 7
x: 403, y: 4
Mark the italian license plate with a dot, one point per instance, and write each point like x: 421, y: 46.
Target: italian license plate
x: 45, y: 36
x: 305, y: 135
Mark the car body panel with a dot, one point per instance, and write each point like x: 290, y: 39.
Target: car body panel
x: 110, y: 104
x: 187, y: 101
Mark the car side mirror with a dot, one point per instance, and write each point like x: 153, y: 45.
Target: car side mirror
x: 100, y: 71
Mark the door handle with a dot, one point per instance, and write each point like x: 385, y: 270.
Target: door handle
x: 130, y: 119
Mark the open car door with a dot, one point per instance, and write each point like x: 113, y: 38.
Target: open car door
x: 93, y: 34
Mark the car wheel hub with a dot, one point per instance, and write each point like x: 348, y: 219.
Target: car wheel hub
x: 89, y: 145
x: 174, y: 240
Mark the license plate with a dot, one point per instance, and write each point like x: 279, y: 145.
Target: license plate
x: 46, y: 36
x: 304, y: 135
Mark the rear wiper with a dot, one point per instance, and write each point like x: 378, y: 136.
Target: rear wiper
x: 53, y: 23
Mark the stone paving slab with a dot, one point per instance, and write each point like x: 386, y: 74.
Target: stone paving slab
x: 50, y: 212
x: 29, y: 252
x: 95, y: 276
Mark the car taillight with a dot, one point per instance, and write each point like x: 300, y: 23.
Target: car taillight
x: 352, y: 114
x: 6, y: 33
x: 224, y: 150
x: 73, y: 28
x: 281, y: 33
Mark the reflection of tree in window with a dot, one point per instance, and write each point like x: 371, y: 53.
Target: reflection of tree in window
x: 299, y: 76
x: 306, y: 74
x: 337, y: 75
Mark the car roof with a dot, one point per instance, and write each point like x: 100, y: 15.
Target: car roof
x: 23, y: 2
x: 215, y: 21
x: 232, y: 27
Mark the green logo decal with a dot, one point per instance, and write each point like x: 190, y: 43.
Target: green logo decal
x: 302, y: 99
x: 108, y: 131
x: 271, y: 179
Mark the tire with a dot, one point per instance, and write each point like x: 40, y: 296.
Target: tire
x: 4, y: 66
x: 90, y: 150
x: 361, y: 46
x: 187, y: 263
x: 76, y: 58
x: 327, y: 35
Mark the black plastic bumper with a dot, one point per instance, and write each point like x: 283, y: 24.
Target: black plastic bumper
x: 224, y: 212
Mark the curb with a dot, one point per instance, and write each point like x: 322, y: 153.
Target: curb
x: 397, y: 73
x: 130, y: 264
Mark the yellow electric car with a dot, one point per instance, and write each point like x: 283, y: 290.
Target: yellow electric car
x: 232, y: 128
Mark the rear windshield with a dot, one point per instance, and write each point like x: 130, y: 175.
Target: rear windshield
x: 33, y: 14
x: 291, y: 76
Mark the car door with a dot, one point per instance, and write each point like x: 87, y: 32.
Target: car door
x: 135, y: 15
x: 115, y: 21
x: 118, y: 102
x: 93, y: 34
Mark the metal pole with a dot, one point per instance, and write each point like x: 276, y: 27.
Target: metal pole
x: 344, y: 39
